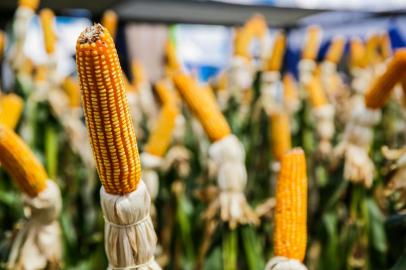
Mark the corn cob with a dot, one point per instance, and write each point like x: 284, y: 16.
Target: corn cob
x: 371, y: 52
x: 311, y: 48
x: 278, y: 51
x: 106, y: 110
x: 40, y: 73
x: 202, y: 105
x: 290, y: 91
x: 257, y: 26
x: 171, y: 58
x: 72, y: 90
x: 381, y: 88
x: 11, y: 107
x: 18, y: 160
x: 290, y: 233
x: 386, y: 46
x: 31, y: 4
x: 280, y: 134
x: 27, y: 67
x: 357, y: 56
x: 138, y: 74
x: 109, y: 21
x: 127, y: 85
x: 2, y: 43
x: 315, y: 92
x: 47, y: 22
x: 165, y: 94
x: 161, y: 136
x: 336, y: 49
x: 243, y: 38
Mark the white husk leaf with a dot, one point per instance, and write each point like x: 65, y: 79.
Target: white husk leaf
x: 130, y: 239
x: 283, y: 263
x: 38, y: 243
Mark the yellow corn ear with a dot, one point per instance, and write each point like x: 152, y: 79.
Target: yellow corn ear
x: 336, y: 49
x: 109, y: 21
x: 386, y: 46
x: 281, y: 141
x: 161, y: 135
x: 257, y: 26
x: 165, y: 94
x: 202, y: 105
x: 108, y: 119
x: 290, y: 91
x: 138, y: 74
x: 357, y: 53
x: 72, y: 90
x: 312, y: 43
x: 27, y: 67
x: 31, y: 4
x: 47, y: 18
x: 315, y: 92
x: 242, y: 40
x: 371, y: 52
x: 2, y: 43
x: 278, y: 51
x: 127, y: 85
x: 18, y: 160
x: 381, y: 88
x: 290, y: 235
x: 11, y: 108
x: 172, y: 62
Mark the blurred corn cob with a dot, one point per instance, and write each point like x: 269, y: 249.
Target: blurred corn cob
x: 31, y: 4
x: 257, y: 26
x: 371, y: 51
x: 290, y: 235
x: 161, y: 136
x: 275, y: 61
x: 20, y: 163
x: 165, y: 94
x: 312, y: 43
x: 290, y: 93
x: 203, y: 107
x: 47, y: 22
x: 72, y: 90
x: 336, y: 50
x: 138, y: 74
x: 242, y: 41
x: 280, y: 134
x: 2, y: 44
x: 385, y: 46
x: 107, y: 114
x: 109, y: 21
x: 380, y: 90
x: 357, y: 53
x: 315, y: 92
x: 11, y: 108
x: 171, y: 59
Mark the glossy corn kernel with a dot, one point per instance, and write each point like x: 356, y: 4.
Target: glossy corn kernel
x: 336, y: 49
x: 106, y: 110
x: 202, y: 105
x: 280, y: 134
x: 290, y: 235
x: 161, y: 135
x: 278, y: 51
x: 72, y: 90
x: 11, y: 108
x: 357, y: 53
x: 312, y: 43
x: 315, y: 92
x: 381, y: 88
x: 109, y: 21
x: 47, y: 18
x: 18, y: 160
x: 31, y: 4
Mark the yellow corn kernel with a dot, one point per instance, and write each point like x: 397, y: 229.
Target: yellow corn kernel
x: 11, y: 108
x: 278, y: 51
x: 382, y: 87
x: 72, y: 90
x: 109, y: 21
x: 357, y: 53
x: 2, y: 43
x: 290, y: 235
x: 371, y: 52
x: 315, y: 92
x: 47, y: 22
x: 290, y: 91
x: 108, y: 119
x: 281, y: 141
x: 202, y: 105
x: 336, y: 49
x: 165, y: 94
x: 312, y: 43
x: 386, y: 46
x: 31, y: 4
x: 161, y: 135
x: 138, y: 74
x: 18, y: 160
x: 172, y: 62
x: 257, y: 26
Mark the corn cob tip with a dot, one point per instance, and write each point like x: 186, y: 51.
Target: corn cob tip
x: 91, y: 34
x: 31, y: 4
x: 109, y: 21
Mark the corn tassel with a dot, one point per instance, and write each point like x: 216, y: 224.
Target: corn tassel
x: 106, y: 110
x: 72, y: 90
x: 381, y: 89
x: 311, y: 48
x: 290, y: 234
x: 280, y: 134
x: 18, y: 160
x: 336, y: 49
x: 109, y: 21
x: 11, y: 108
x: 357, y: 53
x: 31, y: 4
x: 47, y: 22
x: 161, y: 136
x: 278, y: 51
x: 315, y: 92
x: 202, y: 105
